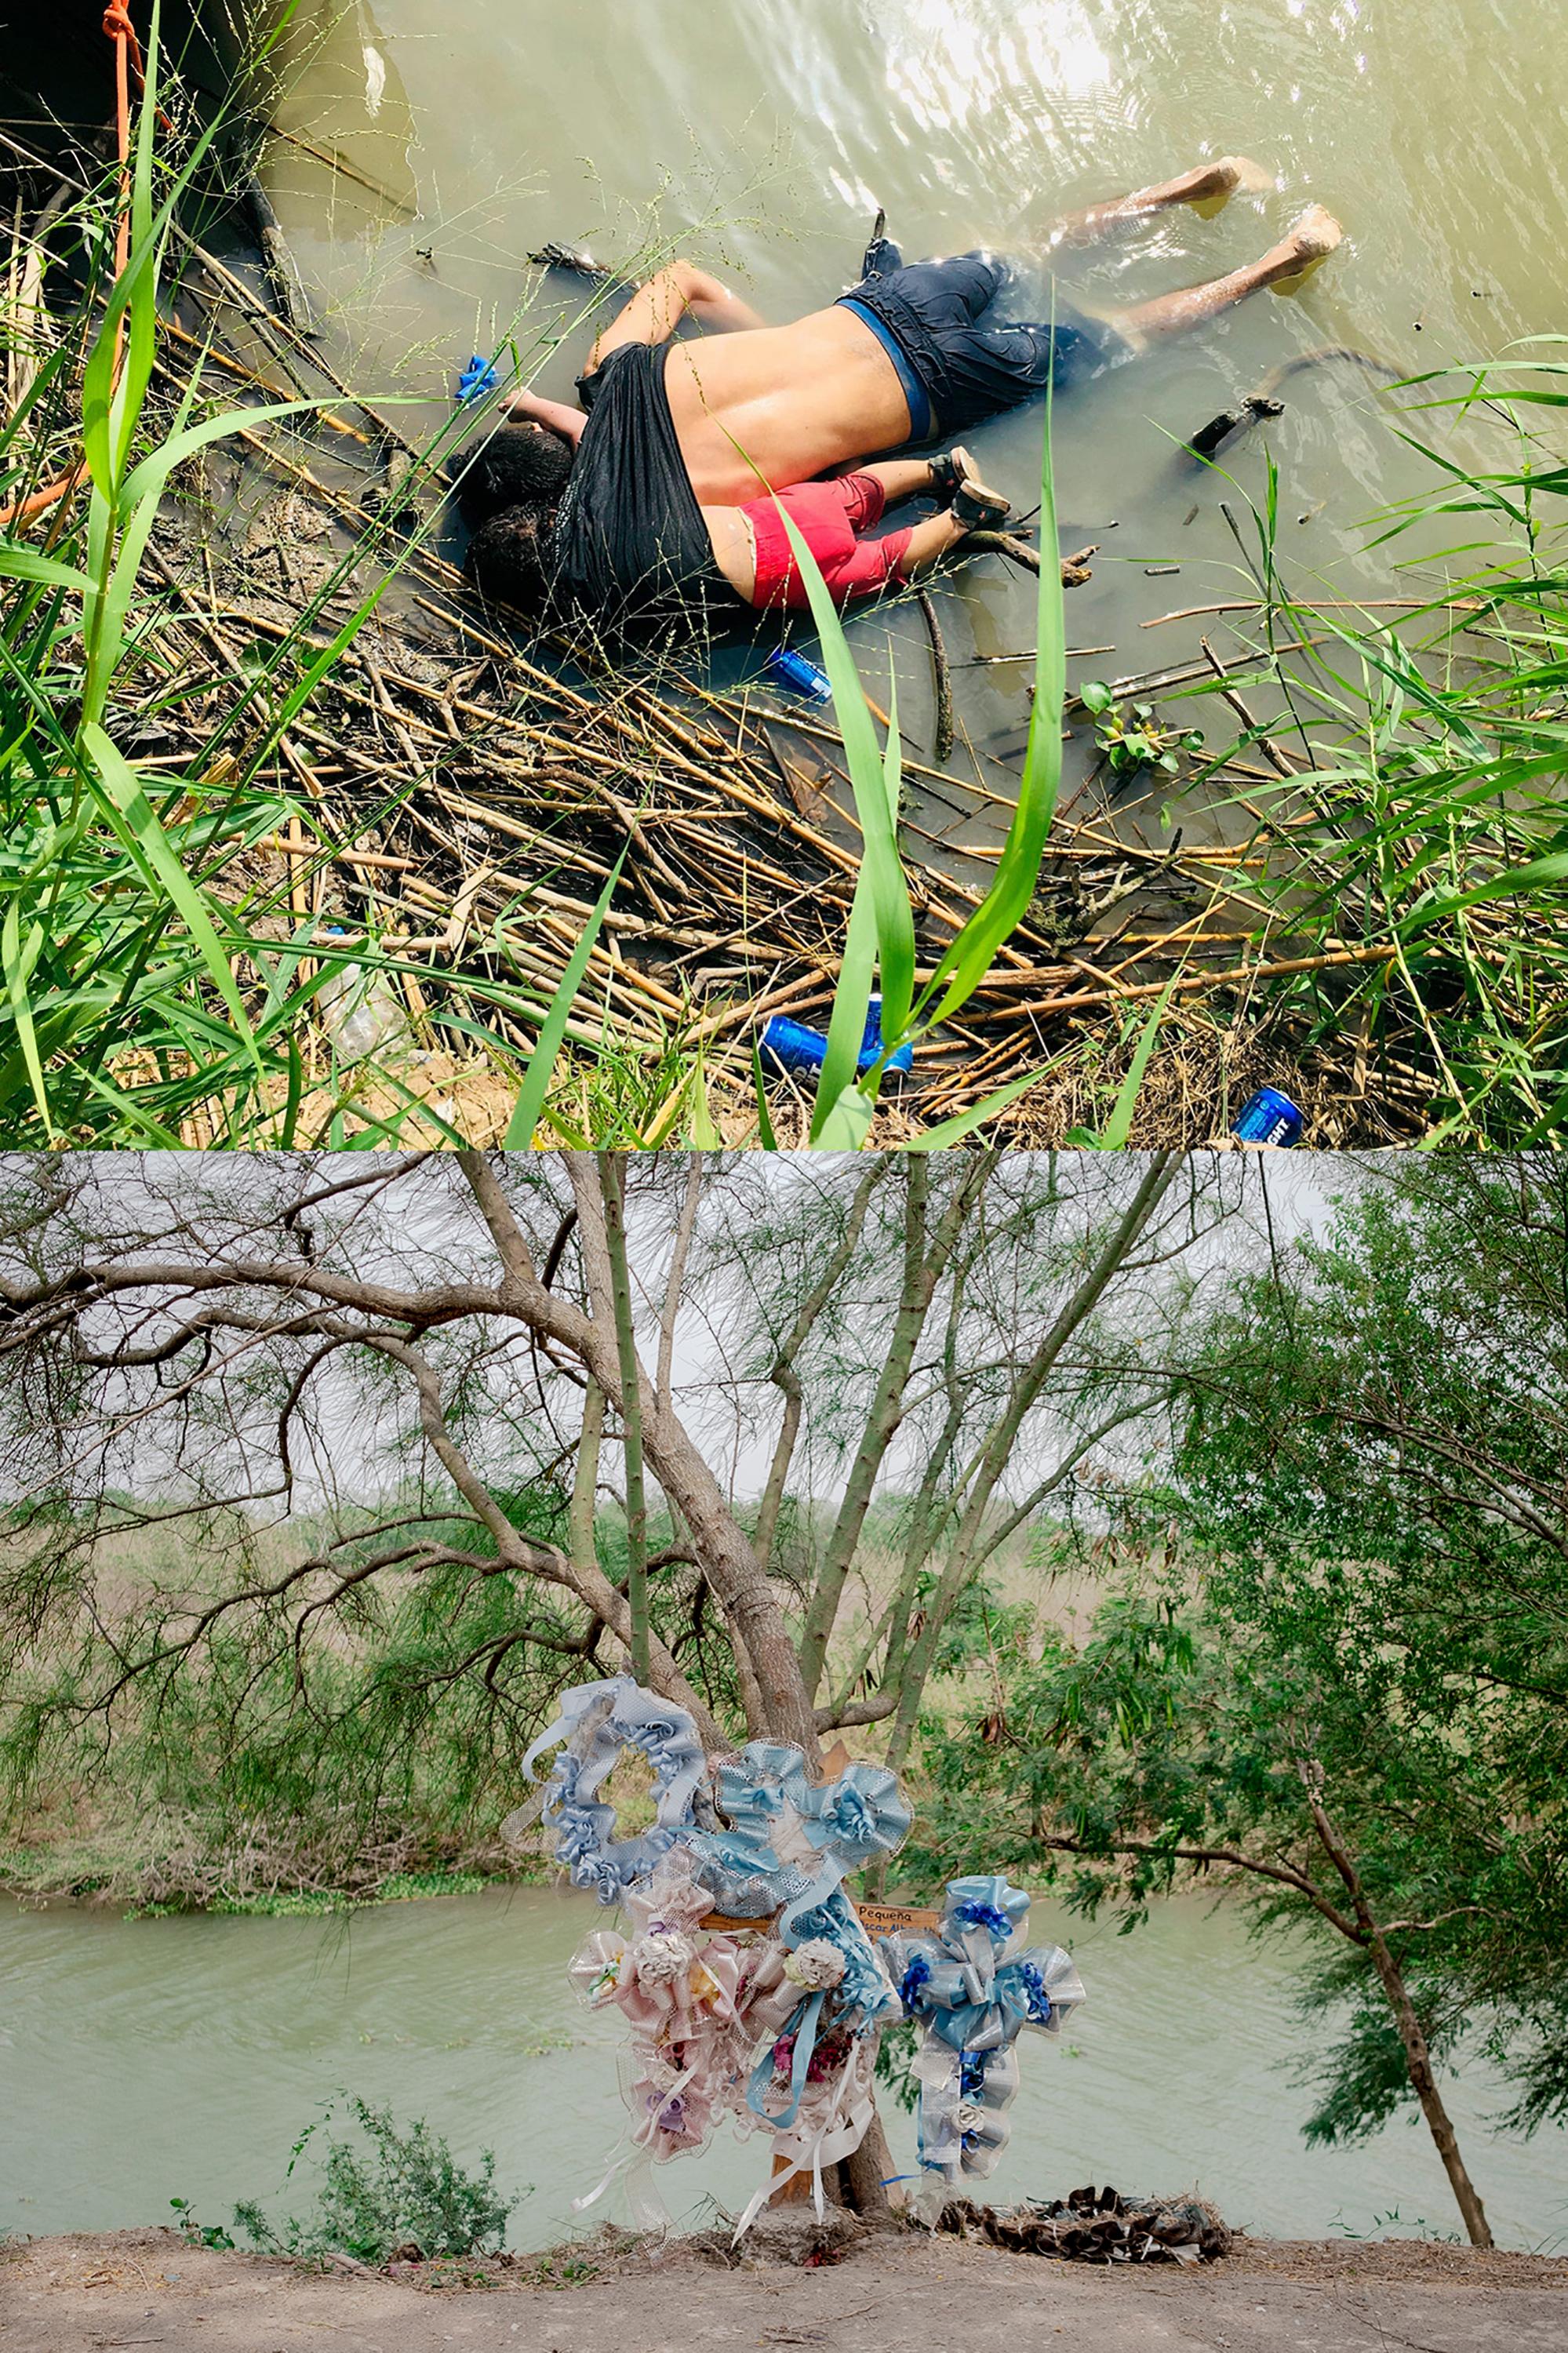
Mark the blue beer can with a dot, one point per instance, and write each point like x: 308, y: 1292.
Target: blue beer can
x: 787, y: 1045
x: 1269, y: 1117
x: 796, y: 675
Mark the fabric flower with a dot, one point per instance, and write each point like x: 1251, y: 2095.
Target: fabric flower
x: 817, y: 1962
x: 661, y: 1957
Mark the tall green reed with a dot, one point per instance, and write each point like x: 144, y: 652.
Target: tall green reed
x: 128, y: 913
x: 880, y: 944
x: 1433, y: 821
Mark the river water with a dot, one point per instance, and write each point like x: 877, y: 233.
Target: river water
x: 146, y: 2060
x: 761, y: 135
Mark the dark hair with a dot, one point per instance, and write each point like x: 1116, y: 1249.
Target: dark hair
x: 519, y: 463
x: 509, y: 556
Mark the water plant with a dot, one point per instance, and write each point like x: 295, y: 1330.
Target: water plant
x: 155, y: 990
x: 880, y: 949
x: 1416, y: 835
x: 1131, y: 738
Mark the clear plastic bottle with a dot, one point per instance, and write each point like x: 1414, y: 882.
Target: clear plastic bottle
x: 360, y: 1010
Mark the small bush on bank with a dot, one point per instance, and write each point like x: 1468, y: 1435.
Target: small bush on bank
x: 407, y: 2193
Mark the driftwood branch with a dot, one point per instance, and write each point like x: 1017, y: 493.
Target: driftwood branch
x: 1074, y: 568
x: 942, y: 678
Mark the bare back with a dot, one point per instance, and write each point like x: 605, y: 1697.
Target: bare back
x: 777, y: 405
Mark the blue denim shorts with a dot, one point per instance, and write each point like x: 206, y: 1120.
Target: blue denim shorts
x: 969, y: 360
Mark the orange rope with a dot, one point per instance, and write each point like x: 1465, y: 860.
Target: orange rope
x: 118, y: 28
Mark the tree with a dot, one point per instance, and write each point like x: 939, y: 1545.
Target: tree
x: 1342, y: 1687
x: 207, y: 1341
x: 984, y: 1335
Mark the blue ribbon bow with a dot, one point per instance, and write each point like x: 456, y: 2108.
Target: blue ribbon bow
x: 848, y: 1821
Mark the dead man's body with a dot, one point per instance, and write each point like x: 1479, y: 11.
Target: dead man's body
x: 675, y: 438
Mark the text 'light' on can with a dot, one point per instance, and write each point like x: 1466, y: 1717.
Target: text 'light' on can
x: 1269, y: 1117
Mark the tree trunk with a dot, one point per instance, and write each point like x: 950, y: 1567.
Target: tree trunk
x: 865, y: 2174
x: 584, y: 1482
x: 1418, y: 2060
x: 770, y: 1669
x: 1417, y: 2057
x: 784, y: 1376
x: 612, y: 1182
x: 1114, y: 1254
x: 729, y: 1562
x: 923, y: 1269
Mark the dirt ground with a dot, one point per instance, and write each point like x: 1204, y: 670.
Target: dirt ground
x: 896, y: 2294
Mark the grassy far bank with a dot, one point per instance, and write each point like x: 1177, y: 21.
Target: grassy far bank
x: 141, y: 1828
x: 113, y: 1866
x: 287, y: 862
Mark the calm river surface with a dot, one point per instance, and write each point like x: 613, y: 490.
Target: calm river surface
x: 142, y: 2060
x: 761, y: 135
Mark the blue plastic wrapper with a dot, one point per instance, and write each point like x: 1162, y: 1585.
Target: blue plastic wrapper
x: 477, y: 379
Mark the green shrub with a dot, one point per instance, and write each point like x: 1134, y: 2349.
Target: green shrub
x: 407, y: 2191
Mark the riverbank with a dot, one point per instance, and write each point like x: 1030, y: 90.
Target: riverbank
x: 897, y: 2293
x: 398, y: 830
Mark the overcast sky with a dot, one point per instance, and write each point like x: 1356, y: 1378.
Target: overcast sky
x: 735, y: 1422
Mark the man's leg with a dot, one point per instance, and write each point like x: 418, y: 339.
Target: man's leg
x: 1206, y: 187
x: 1314, y: 237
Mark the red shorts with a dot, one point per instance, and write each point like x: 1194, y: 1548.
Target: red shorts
x: 827, y: 515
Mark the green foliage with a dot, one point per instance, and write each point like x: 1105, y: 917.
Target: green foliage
x: 1129, y: 736
x: 1116, y: 1133
x: 147, y: 979
x: 309, y: 1902
x: 375, y: 1765
x: 211, y: 2235
x: 1349, y: 1606
x: 1390, y: 1413
x: 978, y: 1626
x: 881, y: 937
x: 1434, y: 821
x: 895, y: 2049
x: 391, y: 2189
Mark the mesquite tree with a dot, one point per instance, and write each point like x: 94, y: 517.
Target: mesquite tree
x: 419, y: 1362
x: 976, y: 1343
x: 1335, y: 1676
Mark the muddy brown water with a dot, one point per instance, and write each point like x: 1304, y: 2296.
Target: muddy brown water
x: 441, y: 143
x: 145, y: 2059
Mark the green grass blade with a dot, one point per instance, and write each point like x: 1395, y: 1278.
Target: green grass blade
x: 147, y: 480
x: 22, y: 563
x: 20, y: 958
x: 1118, y: 1127
x: 763, y: 1117
x: 537, y: 1078
x: 949, y: 1131
x: 130, y: 813
x: 848, y: 1122
x: 970, y: 955
x: 894, y: 916
x: 852, y: 1002
x: 1517, y: 880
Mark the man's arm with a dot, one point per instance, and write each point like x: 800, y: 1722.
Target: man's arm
x: 568, y: 422
x: 657, y: 309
